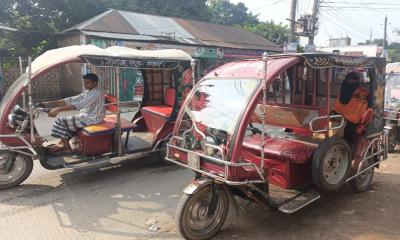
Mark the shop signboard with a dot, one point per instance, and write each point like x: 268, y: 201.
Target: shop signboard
x: 242, y: 53
x: 203, y: 52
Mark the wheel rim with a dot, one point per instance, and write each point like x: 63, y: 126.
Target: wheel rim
x: 197, y: 219
x: 364, y: 178
x: 16, y: 171
x: 335, y: 164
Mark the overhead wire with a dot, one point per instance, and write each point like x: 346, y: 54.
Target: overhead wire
x: 349, y: 18
x: 345, y: 25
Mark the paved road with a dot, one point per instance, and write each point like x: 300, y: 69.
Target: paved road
x: 138, y: 201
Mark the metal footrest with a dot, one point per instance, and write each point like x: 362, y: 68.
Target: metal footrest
x: 299, y: 202
x: 83, y: 164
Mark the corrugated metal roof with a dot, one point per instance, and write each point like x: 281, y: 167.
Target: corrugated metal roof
x: 113, y: 22
x: 226, y: 36
x: 85, y: 24
x: 138, y: 26
x: 122, y: 36
x: 155, y: 25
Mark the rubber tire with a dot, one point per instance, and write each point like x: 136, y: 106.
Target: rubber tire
x: 28, y: 170
x: 317, y: 161
x: 183, y: 206
x: 162, y: 154
x: 393, y: 136
x: 357, y: 188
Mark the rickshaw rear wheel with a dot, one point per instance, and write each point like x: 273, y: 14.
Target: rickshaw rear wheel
x: 162, y: 154
x: 331, y: 163
x: 363, y: 181
x: 14, y: 174
x: 192, y: 218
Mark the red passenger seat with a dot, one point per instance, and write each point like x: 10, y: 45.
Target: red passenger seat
x: 280, y: 148
x: 156, y: 116
x: 166, y: 109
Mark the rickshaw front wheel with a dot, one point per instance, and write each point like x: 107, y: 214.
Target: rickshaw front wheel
x: 362, y: 182
x: 331, y: 163
x: 14, y: 169
x: 193, y: 217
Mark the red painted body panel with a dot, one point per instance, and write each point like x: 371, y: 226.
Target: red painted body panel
x: 253, y: 69
x: 95, y: 145
x: 281, y: 149
x: 287, y: 163
x: 154, y: 121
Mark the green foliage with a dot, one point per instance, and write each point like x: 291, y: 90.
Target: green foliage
x: 224, y: 12
x: 39, y: 20
x: 394, y: 51
x: 392, y: 48
x: 276, y: 33
x: 378, y: 42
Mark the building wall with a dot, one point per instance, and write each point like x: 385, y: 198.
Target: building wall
x: 45, y: 88
x: 70, y: 74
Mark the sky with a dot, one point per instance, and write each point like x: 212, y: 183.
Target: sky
x: 337, y: 18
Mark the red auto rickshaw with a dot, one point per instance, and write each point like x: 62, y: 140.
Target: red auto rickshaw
x: 260, y: 128
x: 114, y: 140
x: 392, y: 103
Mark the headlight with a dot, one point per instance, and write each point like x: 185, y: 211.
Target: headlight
x: 17, y: 110
x: 11, y: 119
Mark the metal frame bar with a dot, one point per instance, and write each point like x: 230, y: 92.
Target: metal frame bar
x: 389, y: 118
x: 226, y: 164
x: 329, y: 128
x: 382, y: 150
x: 28, y: 145
x: 30, y: 99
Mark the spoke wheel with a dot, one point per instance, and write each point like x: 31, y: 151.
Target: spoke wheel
x: 331, y: 163
x: 17, y: 173
x: 363, y: 181
x: 194, y: 221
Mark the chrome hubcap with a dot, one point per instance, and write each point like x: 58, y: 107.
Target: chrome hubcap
x: 14, y: 172
x: 335, y: 165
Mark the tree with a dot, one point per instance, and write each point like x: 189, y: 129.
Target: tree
x: 226, y: 13
x: 39, y: 20
x: 376, y: 41
x: 276, y: 33
x: 394, y: 51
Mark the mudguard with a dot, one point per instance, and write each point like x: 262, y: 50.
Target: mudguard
x: 196, y: 184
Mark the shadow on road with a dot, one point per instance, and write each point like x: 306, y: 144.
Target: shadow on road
x: 122, y: 201
x: 341, y: 215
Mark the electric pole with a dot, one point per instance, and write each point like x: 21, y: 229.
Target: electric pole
x: 370, y: 37
x: 314, y: 22
x: 292, y: 36
x: 384, y: 39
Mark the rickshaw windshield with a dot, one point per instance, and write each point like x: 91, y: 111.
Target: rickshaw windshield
x: 14, y: 88
x: 392, y: 91
x: 215, y: 107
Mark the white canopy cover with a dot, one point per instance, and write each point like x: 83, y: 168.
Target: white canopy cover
x: 57, y: 56
x: 393, y: 67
